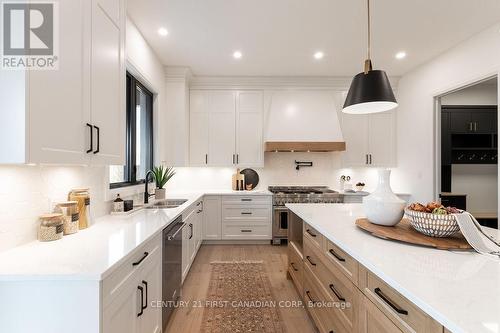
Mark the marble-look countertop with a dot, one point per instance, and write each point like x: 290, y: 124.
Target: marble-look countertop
x: 461, y: 290
x: 93, y: 253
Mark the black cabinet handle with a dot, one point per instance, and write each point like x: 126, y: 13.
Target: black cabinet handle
x: 293, y: 266
x: 140, y: 260
x: 246, y: 199
x: 339, y: 258
x: 310, y: 233
x: 246, y: 213
x: 233, y: 158
x: 366, y: 158
x: 191, y: 227
x: 332, y: 288
x: 246, y: 230
x: 98, y: 139
x: 145, y: 306
x: 371, y: 159
x: 206, y: 158
x: 237, y: 158
x: 142, y: 300
x: 393, y: 305
x: 91, y: 138
x: 309, y: 259
x: 308, y: 293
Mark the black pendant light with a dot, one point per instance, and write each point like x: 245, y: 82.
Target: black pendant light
x: 370, y: 91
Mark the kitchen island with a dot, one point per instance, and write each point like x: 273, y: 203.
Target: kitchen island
x: 459, y: 290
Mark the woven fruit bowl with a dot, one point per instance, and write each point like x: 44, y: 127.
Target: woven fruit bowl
x: 434, y: 225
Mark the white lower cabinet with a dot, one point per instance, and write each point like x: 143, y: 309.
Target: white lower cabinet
x: 191, y: 236
x: 246, y: 217
x: 131, y: 293
x: 212, y: 218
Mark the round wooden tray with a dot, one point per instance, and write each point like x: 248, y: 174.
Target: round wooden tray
x: 404, y: 232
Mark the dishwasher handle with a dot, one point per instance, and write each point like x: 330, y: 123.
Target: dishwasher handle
x: 172, y: 236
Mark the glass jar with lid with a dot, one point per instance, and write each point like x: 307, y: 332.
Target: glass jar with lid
x: 71, y: 217
x: 51, y: 227
x: 82, y: 196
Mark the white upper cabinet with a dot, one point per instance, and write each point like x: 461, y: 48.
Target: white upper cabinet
x: 370, y: 139
x: 221, y: 128
x: 198, y: 138
x: 108, y: 89
x: 249, y: 126
x: 49, y: 109
x: 226, y: 128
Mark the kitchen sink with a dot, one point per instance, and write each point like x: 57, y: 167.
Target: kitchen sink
x: 169, y: 203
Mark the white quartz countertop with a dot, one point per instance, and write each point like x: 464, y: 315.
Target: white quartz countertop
x: 461, y: 290
x: 93, y: 253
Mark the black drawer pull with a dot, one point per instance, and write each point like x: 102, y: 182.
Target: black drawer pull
x: 246, y: 230
x: 246, y: 199
x: 308, y: 293
x: 246, y: 213
x: 98, y: 139
x: 145, y: 306
x: 332, y: 288
x: 310, y: 233
x: 309, y: 259
x: 140, y: 260
x: 293, y: 266
x: 91, y: 139
x: 142, y: 300
x: 390, y: 302
x: 339, y: 258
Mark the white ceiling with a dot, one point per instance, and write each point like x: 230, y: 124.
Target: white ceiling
x: 279, y: 37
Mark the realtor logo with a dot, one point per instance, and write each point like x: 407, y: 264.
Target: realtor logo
x: 29, y: 35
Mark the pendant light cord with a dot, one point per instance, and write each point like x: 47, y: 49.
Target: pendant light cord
x: 368, y: 61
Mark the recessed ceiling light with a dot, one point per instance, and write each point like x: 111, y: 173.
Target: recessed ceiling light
x: 319, y: 55
x: 401, y: 55
x: 237, y: 55
x: 162, y: 32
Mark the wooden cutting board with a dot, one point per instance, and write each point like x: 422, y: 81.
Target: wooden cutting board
x: 404, y: 232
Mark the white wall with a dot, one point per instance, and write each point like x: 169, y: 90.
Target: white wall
x: 28, y: 191
x: 479, y: 182
x: 471, y: 61
x: 478, y: 94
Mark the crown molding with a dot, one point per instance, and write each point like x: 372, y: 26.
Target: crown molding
x: 178, y: 74
x: 274, y: 83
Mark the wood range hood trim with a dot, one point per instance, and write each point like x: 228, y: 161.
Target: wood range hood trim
x: 304, y: 146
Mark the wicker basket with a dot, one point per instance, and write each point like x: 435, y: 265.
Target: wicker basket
x: 434, y: 225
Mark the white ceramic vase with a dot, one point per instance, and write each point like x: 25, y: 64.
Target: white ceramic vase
x: 160, y: 194
x: 383, y: 206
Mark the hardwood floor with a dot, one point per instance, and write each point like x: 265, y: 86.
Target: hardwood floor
x: 189, y: 319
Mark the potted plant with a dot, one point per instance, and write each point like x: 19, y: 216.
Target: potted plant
x: 162, y: 176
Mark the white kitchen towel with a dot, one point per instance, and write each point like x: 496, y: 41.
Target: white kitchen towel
x: 475, y: 235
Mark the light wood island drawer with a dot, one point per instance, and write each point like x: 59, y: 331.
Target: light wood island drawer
x: 341, y: 261
x: 320, y: 308
x: 334, y: 285
x: 295, y: 266
x: 314, y: 236
x: 403, y: 313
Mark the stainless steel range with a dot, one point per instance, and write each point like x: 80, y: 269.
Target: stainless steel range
x: 296, y: 194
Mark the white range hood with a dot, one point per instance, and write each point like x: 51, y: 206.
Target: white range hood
x: 303, y: 120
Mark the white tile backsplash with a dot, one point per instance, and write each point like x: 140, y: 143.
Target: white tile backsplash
x: 28, y: 191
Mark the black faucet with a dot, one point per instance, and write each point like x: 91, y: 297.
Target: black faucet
x: 146, y: 193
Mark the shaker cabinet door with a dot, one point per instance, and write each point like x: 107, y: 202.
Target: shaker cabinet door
x: 249, y: 127
x: 381, y: 139
x: 355, y: 131
x: 108, y: 90
x: 58, y: 109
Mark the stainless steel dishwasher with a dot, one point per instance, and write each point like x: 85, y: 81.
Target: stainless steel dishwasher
x: 172, y: 268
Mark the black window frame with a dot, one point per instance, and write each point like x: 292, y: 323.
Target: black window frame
x: 130, y: 169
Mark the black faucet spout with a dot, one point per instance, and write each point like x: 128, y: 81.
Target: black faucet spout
x: 146, y: 192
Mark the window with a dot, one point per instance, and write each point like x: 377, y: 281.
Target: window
x: 139, y: 155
